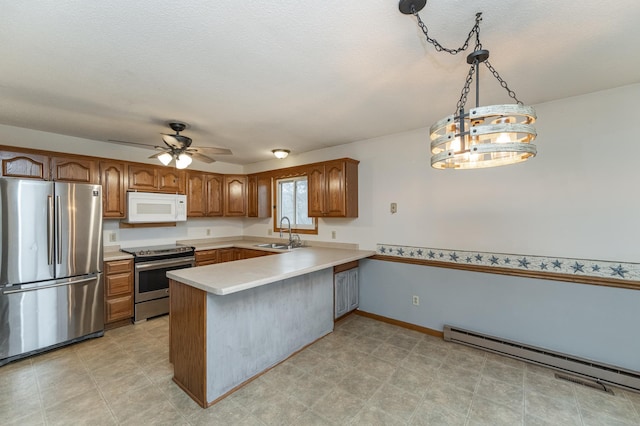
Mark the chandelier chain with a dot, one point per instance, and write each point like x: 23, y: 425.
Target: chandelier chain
x: 440, y: 48
x: 503, y: 83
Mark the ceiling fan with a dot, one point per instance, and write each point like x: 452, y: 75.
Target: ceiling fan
x: 178, y: 148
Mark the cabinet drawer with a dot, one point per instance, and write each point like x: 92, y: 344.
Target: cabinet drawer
x: 118, y: 284
x: 118, y: 309
x: 118, y: 266
x: 206, y: 257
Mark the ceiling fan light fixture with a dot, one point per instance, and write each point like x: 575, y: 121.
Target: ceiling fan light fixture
x: 183, y: 161
x: 480, y: 137
x: 165, y: 158
x: 281, y: 153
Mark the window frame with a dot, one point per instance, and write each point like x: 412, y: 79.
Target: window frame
x: 313, y: 230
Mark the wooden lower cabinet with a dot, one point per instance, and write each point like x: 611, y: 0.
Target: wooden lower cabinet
x: 227, y: 255
x: 118, y: 292
x: 250, y: 253
x: 206, y: 257
x: 209, y: 257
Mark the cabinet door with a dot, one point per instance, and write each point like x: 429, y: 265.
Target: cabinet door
x: 196, y: 195
x: 114, y: 187
x: 235, y: 195
x: 341, y: 281
x: 227, y: 255
x: 316, y: 188
x: 143, y: 178
x: 259, y: 196
x: 74, y: 170
x: 252, y: 196
x: 214, y: 194
x: 334, y: 201
x: 171, y: 180
x: 353, y: 290
x: 15, y: 164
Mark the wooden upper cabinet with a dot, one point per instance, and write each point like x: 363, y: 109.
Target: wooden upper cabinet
x: 259, y: 195
x: 71, y: 169
x: 22, y: 165
x: 114, y: 188
x: 143, y: 178
x: 196, y: 196
x: 66, y: 169
x: 316, y: 191
x: 333, y: 188
x: 171, y: 180
x: 235, y: 195
x: 214, y: 184
x: 156, y: 179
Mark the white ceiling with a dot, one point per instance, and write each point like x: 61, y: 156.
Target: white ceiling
x: 253, y: 76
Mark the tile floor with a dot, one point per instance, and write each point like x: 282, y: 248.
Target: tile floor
x: 365, y: 373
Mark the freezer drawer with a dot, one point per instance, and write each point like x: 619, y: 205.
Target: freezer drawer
x: 40, y: 316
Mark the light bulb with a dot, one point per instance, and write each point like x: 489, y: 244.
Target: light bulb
x: 504, y: 138
x: 183, y: 161
x: 165, y: 158
x: 455, y: 144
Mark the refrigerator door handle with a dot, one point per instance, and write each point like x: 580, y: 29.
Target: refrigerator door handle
x: 50, y: 230
x: 58, y: 230
x: 70, y: 281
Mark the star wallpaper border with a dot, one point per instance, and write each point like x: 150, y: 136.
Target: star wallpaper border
x: 559, y: 265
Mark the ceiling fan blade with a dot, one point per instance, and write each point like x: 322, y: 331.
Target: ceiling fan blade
x: 212, y: 150
x: 136, y: 144
x: 200, y: 157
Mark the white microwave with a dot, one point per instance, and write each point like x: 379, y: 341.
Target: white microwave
x: 148, y: 207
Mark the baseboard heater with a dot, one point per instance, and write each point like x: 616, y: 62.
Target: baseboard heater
x: 601, y: 373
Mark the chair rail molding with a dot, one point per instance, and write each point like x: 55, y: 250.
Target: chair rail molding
x: 584, y: 271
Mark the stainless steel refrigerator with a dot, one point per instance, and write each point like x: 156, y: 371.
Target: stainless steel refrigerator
x: 51, y: 290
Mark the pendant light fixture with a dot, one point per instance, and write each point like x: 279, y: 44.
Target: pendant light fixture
x: 487, y: 136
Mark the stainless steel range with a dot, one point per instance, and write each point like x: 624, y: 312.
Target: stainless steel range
x: 151, y: 294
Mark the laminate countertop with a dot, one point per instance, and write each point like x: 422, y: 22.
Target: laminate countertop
x: 231, y: 277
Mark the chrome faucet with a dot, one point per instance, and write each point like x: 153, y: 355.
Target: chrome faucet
x: 289, y: 222
x: 294, y: 239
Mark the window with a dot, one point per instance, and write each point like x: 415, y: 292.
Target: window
x: 291, y: 202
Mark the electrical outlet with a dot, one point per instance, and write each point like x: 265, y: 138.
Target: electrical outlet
x: 394, y: 208
x: 416, y: 300
x: 269, y: 231
x: 333, y: 235
x: 208, y: 231
x: 113, y: 237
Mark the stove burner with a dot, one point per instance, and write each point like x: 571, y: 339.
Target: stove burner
x: 164, y: 251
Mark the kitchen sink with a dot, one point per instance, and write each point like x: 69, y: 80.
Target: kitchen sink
x: 274, y: 246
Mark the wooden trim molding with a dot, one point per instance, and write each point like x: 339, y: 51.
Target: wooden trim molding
x: 580, y: 271
x: 402, y: 324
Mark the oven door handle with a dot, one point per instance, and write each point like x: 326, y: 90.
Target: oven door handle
x: 142, y: 266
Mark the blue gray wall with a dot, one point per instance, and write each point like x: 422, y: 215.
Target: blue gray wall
x: 593, y: 322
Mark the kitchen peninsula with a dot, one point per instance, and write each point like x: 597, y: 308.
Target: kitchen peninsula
x: 230, y: 322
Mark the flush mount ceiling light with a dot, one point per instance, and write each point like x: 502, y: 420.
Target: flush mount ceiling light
x: 487, y: 136
x: 281, y: 153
